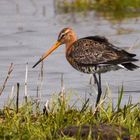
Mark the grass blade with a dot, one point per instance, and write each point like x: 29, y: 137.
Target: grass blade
x: 120, y: 98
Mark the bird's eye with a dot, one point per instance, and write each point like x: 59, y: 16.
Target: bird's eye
x: 62, y: 35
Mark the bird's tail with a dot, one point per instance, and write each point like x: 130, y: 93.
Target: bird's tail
x: 130, y: 66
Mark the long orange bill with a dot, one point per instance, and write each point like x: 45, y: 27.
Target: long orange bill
x: 57, y: 44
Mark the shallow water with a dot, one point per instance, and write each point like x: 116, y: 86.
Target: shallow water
x: 28, y: 28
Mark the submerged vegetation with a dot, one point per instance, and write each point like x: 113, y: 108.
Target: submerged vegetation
x: 114, y: 9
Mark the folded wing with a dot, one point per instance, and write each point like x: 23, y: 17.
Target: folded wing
x: 96, y: 50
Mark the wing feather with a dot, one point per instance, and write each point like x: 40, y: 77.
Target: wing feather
x: 95, y: 51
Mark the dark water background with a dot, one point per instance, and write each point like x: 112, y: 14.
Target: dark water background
x: 28, y: 28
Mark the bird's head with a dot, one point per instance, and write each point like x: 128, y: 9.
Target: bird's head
x: 66, y: 36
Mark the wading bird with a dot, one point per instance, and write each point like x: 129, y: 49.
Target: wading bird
x: 92, y: 55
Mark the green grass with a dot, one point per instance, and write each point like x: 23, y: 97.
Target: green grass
x: 118, y: 9
x: 111, y: 9
x: 77, y: 5
x: 31, y: 123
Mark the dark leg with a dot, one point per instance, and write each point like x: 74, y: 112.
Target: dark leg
x: 93, y: 76
x: 95, y: 79
x: 98, y: 81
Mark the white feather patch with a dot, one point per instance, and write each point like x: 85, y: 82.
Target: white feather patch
x: 121, y: 66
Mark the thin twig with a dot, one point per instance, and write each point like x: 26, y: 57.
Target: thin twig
x: 40, y: 83
x: 62, y: 83
x: 17, y: 100
x: 62, y: 92
x: 42, y: 71
x: 41, y: 78
x: 6, y: 79
x: 26, y: 78
x: 11, y: 96
x: 12, y: 92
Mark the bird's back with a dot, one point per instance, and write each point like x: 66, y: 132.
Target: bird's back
x: 96, y: 51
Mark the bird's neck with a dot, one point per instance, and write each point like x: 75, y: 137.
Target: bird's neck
x: 70, y: 43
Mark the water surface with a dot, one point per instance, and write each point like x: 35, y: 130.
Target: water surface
x: 28, y: 28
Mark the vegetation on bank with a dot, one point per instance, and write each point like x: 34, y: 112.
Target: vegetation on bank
x: 62, y: 120
x: 28, y: 121
x: 114, y: 9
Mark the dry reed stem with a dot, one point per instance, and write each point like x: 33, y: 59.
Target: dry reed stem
x: 12, y: 92
x: 62, y: 92
x: 41, y: 78
x: 17, y: 99
x: 11, y: 96
x: 26, y: 79
x: 40, y: 81
x: 6, y: 79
